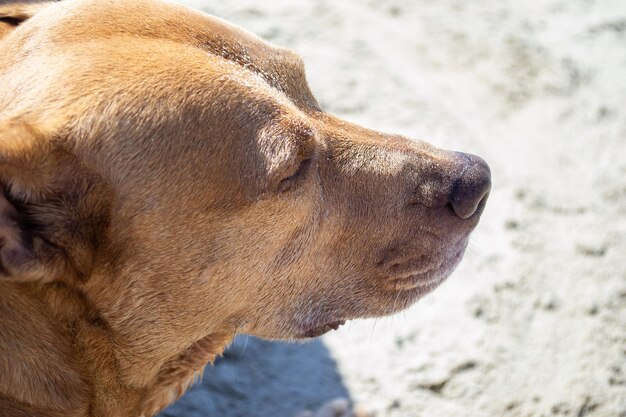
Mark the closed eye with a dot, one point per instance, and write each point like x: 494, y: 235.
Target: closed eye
x: 286, y: 184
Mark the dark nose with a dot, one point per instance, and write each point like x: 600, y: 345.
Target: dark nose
x: 471, y: 187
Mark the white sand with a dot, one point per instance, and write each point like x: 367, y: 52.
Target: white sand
x: 533, y: 323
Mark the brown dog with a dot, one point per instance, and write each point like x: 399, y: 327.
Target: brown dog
x: 169, y: 181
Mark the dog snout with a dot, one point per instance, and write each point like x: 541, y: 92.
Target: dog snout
x: 471, y: 188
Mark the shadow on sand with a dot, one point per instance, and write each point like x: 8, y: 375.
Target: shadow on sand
x: 256, y: 378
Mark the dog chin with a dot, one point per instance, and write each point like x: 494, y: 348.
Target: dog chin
x: 298, y: 331
x: 320, y: 329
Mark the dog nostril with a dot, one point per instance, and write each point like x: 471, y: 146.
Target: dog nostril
x: 471, y: 188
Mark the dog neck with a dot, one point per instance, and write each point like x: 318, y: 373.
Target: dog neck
x: 143, y: 336
x: 153, y: 359
x: 69, y: 358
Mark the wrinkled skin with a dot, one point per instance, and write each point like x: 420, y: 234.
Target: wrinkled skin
x: 170, y: 181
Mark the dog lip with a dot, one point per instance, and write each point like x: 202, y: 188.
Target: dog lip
x: 411, y: 272
x: 319, y: 330
x: 426, y: 276
x: 414, y: 281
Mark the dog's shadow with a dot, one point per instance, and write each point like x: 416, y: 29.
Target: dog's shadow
x: 256, y: 378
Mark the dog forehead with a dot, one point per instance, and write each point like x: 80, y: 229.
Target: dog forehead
x: 89, y: 20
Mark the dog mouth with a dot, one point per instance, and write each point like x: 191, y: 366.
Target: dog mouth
x: 318, y: 330
x: 403, y: 288
x: 428, y: 278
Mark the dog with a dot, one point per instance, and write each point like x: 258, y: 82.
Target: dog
x: 169, y: 181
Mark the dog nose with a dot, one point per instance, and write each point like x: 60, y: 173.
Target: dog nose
x: 471, y: 187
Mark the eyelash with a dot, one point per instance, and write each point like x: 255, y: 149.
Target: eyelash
x: 286, y: 184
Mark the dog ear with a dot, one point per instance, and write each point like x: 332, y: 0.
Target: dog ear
x: 24, y: 254
x: 14, y: 13
x: 54, y: 208
x: 20, y: 259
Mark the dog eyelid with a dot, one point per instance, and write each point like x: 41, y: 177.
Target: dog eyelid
x: 289, y: 182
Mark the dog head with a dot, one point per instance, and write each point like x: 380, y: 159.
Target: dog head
x: 178, y: 170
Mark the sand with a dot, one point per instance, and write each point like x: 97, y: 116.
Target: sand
x: 533, y: 322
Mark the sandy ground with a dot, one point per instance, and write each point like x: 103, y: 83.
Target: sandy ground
x: 533, y: 323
